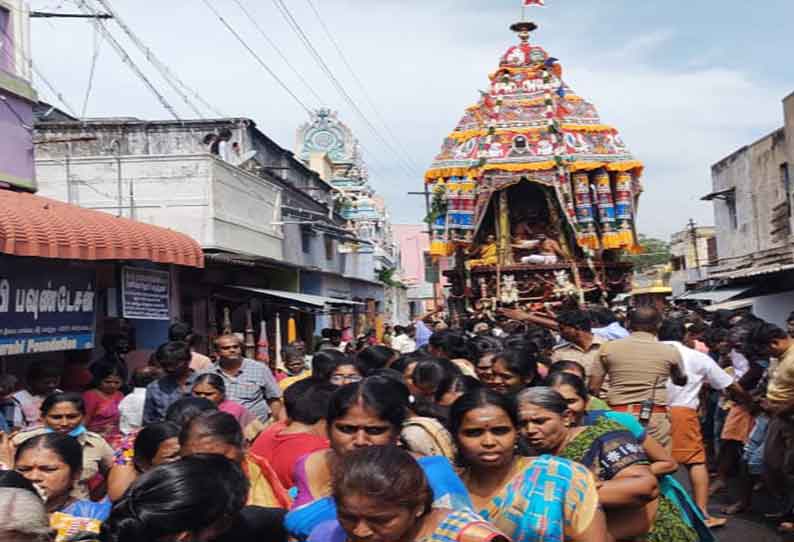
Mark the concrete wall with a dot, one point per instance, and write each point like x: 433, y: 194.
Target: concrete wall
x: 219, y: 205
x: 775, y: 308
x: 315, y: 256
x: 754, y: 172
x: 788, y: 126
x: 16, y: 111
x: 695, y: 264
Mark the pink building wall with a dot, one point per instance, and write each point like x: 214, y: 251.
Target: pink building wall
x: 414, y: 242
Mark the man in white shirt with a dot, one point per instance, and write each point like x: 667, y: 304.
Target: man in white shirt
x: 42, y: 379
x: 131, y: 407
x: 688, y: 445
x: 402, y: 342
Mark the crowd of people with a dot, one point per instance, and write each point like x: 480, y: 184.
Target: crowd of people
x: 529, y: 427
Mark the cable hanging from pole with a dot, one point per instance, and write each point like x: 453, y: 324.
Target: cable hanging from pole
x: 287, y: 14
x: 278, y: 50
x: 29, y: 61
x: 100, y: 25
x: 253, y: 53
x: 91, y: 72
x: 170, y: 77
x: 360, y: 83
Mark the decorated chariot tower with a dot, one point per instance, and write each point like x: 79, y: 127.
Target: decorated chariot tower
x: 532, y: 193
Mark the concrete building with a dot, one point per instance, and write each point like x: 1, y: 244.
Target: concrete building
x: 79, y: 272
x: 751, y: 193
x: 327, y: 146
x: 265, y: 220
x: 17, y: 97
x: 420, y: 273
x: 692, y: 250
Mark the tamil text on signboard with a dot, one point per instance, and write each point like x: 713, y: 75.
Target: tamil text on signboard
x: 45, y: 308
x: 145, y: 294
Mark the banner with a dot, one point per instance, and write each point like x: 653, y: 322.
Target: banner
x: 45, y: 307
x: 145, y: 294
x: 534, y: 3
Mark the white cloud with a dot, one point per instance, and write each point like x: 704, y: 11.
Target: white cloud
x: 423, y: 63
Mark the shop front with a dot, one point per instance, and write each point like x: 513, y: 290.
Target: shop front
x: 71, y: 277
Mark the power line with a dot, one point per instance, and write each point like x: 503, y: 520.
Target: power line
x: 293, y: 23
x: 14, y: 112
x: 358, y: 81
x: 256, y: 56
x: 91, y: 72
x: 100, y: 26
x: 278, y: 50
x: 55, y: 92
x: 170, y: 77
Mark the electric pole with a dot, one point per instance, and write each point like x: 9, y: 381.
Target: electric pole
x: 693, y: 235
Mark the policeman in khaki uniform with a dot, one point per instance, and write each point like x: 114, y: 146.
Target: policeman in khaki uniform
x: 580, y: 344
x: 639, y: 367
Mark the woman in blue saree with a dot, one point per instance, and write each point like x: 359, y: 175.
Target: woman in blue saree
x: 366, y: 413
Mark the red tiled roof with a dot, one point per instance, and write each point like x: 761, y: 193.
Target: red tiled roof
x: 45, y: 228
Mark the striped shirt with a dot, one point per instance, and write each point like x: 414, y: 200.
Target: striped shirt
x: 253, y: 386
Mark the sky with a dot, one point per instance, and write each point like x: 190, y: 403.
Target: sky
x: 687, y: 82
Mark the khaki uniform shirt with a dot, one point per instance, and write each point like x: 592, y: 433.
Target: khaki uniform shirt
x: 638, y: 368
x: 97, y: 457
x: 573, y: 352
x: 781, y: 386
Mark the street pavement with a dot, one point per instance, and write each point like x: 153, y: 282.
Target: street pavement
x: 746, y: 527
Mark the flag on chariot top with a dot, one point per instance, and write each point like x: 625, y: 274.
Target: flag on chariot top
x: 534, y: 3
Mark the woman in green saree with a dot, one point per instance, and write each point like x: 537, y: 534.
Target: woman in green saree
x: 627, y: 488
x: 575, y: 393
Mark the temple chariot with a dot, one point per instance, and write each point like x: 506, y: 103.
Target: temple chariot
x: 532, y: 196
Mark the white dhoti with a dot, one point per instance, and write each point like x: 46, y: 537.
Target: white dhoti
x: 540, y: 259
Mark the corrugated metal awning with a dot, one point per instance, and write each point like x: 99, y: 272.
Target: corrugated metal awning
x: 306, y: 299
x: 714, y: 296
x: 732, y: 305
x: 753, y: 271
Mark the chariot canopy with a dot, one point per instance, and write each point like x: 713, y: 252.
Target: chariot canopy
x: 529, y: 153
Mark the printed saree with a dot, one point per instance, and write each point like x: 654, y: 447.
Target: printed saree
x: 549, y: 499
x: 606, y: 447
x: 311, y: 511
x: 668, y: 485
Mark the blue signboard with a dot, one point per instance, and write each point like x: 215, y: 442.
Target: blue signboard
x: 45, y: 307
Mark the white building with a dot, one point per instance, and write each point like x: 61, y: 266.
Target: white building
x: 692, y: 250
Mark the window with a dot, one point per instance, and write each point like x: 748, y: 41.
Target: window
x: 785, y: 180
x: 329, y: 247
x: 306, y: 239
x: 431, y: 269
x: 6, y: 45
x: 712, y: 250
x: 733, y: 220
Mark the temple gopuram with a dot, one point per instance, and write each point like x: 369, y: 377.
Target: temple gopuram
x: 329, y: 147
x: 533, y: 196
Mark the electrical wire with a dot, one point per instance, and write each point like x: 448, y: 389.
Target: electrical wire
x: 91, y: 73
x: 296, y: 27
x: 258, y: 58
x: 14, y: 112
x: 125, y: 57
x: 278, y: 50
x: 360, y: 83
x: 170, y: 77
x: 55, y: 92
